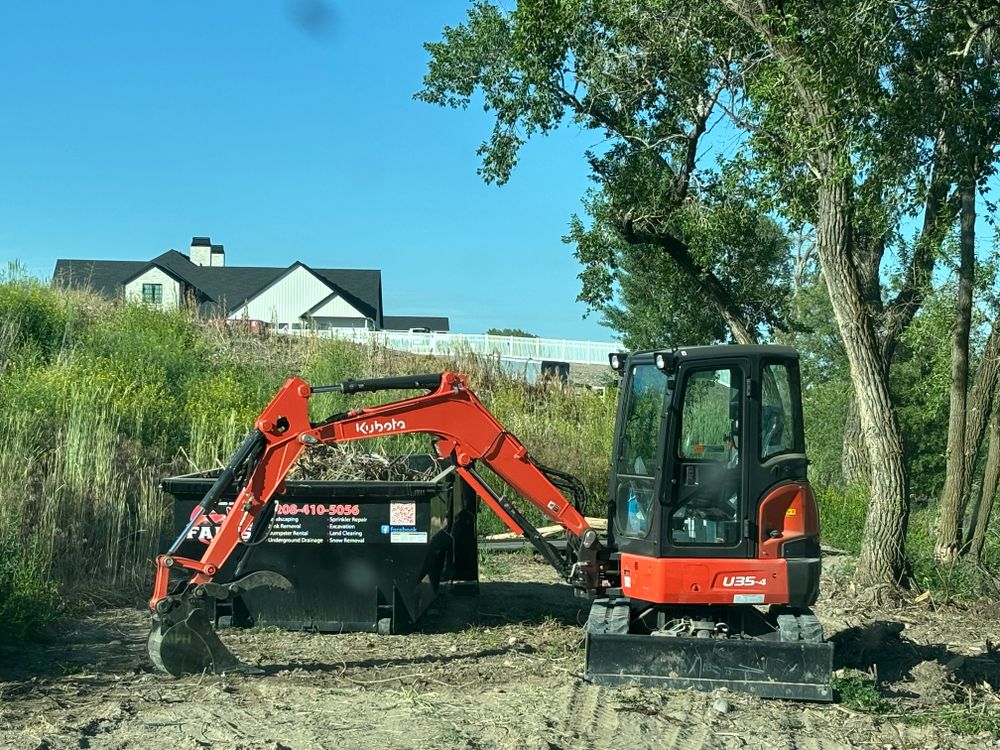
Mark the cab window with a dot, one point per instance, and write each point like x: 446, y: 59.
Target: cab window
x: 777, y: 423
x: 707, y: 509
x: 637, y: 453
x: 709, y: 417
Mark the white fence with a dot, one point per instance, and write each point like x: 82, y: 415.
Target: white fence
x: 508, y: 347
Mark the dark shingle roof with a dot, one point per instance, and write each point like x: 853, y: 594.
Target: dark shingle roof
x: 222, y: 288
x: 361, y: 287
x: 103, y: 276
x: 406, y: 322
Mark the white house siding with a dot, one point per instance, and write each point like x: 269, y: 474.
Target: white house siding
x: 337, y: 307
x: 171, y: 288
x: 324, y: 323
x: 285, y: 301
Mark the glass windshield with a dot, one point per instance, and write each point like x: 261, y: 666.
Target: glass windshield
x: 642, y: 421
x: 708, y: 504
x: 708, y: 419
x: 634, y: 506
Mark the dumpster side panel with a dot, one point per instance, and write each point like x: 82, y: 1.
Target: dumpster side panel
x: 355, y: 552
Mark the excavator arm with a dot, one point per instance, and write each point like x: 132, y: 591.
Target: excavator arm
x: 182, y: 639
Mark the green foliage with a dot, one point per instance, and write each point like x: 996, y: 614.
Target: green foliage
x: 28, y: 598
x: 842, y: 516
x: 963, y: 579
x: 510, y: 332
x: 920, y: 378
x: 101, y: 400
x: 967, y: 719
x: 36, y: 323
x: 661, y: 229
x: 859, y: 692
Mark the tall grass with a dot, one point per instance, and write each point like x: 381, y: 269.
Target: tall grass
x: 99, y: 400
x: 842, y: 518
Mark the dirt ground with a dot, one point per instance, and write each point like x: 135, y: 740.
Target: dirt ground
x: 498, y: 670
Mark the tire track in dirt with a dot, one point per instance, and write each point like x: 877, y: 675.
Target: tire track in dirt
x: 805, y: 738
x: 697, y: 737
x: 589, y: 719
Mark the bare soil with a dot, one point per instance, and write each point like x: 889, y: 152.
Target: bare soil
x: 497, y: 670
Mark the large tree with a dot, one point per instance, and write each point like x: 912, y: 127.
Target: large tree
x: 843, y: 111
x: 622, y: 69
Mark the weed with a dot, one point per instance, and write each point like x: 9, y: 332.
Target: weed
x: 859, y: 692
x: 28, y: 598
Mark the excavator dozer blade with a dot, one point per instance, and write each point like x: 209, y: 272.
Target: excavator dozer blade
x: 183, y: 641
x: 770, y: 669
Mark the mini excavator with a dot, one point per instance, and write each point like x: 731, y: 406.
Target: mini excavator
x: 712, y: 557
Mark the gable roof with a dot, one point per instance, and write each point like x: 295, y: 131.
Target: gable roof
x: 361, y: 287
x: 103, y: 276
x: 153, y: 264
x: 222, y: 288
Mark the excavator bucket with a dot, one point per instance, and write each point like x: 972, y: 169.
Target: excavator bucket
x: 182, y: 640
x: 794, y: 663
x: 190, y: 646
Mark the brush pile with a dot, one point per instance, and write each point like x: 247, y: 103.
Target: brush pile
x: 337, y: 463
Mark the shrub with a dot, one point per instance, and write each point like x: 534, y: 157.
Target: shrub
x: 35, y: 323
x: 842, y: 516
x: 28, y: 597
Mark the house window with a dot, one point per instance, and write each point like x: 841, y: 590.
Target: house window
x: 152, y: 294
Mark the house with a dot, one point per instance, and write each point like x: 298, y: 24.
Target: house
x: 294, y: 297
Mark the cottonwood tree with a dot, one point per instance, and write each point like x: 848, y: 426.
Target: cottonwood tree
x: 624, y: 70
x: 843, y: 112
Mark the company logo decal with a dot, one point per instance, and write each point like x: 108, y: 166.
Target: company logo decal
x: 376, y: 428
x: 207, y: 524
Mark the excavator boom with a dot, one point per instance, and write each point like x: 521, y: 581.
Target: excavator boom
x: 182, y: 639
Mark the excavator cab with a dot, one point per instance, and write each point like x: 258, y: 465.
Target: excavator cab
x: 714, y: 527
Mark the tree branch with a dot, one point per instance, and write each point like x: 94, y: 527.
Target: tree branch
x: 646, y: 232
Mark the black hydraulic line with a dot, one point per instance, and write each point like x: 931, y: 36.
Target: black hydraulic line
x: 429, y: 382
x: 539, y: 542
x: 222, y: 483
x: 566, y: 482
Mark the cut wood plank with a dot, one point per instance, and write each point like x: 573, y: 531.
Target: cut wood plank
x: 597, y: 524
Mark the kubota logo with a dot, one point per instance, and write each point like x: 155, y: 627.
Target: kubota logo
x: 375, y: 427
x: 738, y: 581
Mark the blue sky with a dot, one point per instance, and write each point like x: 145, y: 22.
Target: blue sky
x: 128, y: 127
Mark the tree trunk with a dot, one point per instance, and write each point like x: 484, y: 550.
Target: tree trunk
x: 854, y: 459
x: 980, y: 406
x: 987, y: 493
x: 949, y: 539
x: 882, y: 558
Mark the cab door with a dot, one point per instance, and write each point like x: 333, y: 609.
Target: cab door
x: 705, y: 457
x: 637, y: 470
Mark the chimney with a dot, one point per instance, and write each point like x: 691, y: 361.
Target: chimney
x: 201, y: 251
x: 218, y: 256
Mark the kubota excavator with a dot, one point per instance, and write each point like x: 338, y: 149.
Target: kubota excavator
x: 712, y: 558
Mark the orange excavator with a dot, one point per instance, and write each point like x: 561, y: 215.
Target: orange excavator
x: 712, y: 557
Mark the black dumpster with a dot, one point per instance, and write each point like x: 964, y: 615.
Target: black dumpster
x: 362, y: 556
